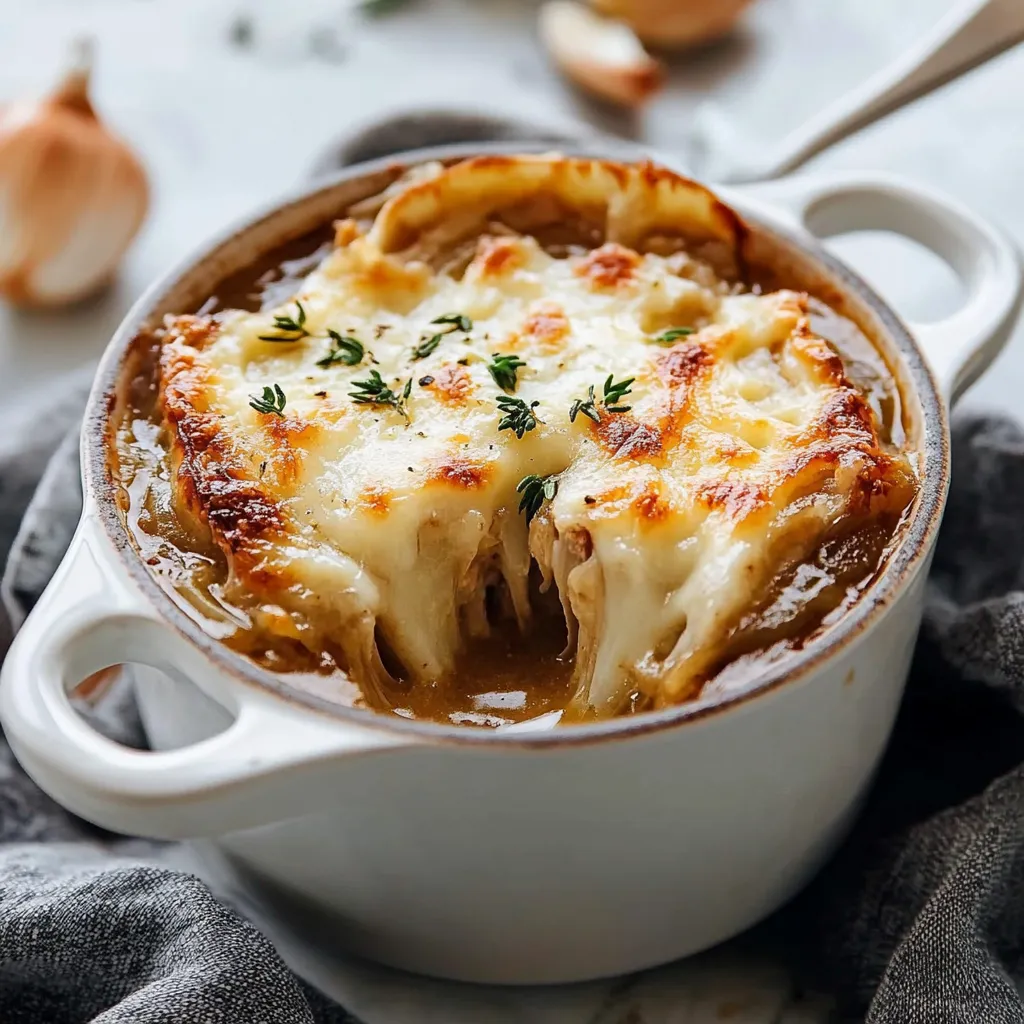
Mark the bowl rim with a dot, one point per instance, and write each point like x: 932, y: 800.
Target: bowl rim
x: 903, y: 563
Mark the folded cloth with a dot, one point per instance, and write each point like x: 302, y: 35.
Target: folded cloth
x: 919, y: 920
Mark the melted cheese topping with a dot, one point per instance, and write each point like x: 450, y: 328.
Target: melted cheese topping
x: 346, y: 524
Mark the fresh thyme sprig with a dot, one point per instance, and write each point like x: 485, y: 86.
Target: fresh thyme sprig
x: 504, y: 369
x: 375, y: 392
x: 613, y: 394
x: 290, y: 328
x: 672, y: 335
x: 454, y: 322
x: 425, y: 347
x: 450, y: 322
x: 272, y: 400
x: 535, y: 490
x: 518, y: 416
x: 345, y: 350
x: 587, y: 406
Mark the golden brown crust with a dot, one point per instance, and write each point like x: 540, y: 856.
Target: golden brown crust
x: 682, y: 364
x: 547, y: 325
x: 609, y: 266
x: 625, y: 437
x: 459, y: 472
x: 346, y: 232
x: 497, y: 256
x: 376, y: 500
x: 214, y: 472
x: 652, y: 505
x: 737, y: 498
x: 451, y: 383
x: 385, y: 277
x: 632, y: 202
x: 842, y: 434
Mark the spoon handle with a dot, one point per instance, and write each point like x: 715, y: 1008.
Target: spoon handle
x: 971, y: 33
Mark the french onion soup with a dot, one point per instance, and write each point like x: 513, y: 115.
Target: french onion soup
x: 522, y: 435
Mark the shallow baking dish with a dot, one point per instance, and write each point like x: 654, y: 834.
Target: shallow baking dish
x: 511, y: 855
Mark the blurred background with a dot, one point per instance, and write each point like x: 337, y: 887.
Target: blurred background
x: 229, y: 102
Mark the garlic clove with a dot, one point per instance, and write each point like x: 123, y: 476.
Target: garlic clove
x: 675, y: 23
x: 72, y: 196
x: 600, y: 55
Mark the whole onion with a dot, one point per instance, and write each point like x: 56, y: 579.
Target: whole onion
x: 72, y: 195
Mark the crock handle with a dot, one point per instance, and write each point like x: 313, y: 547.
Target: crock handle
x: 87, y: 620
x: 961, y: 346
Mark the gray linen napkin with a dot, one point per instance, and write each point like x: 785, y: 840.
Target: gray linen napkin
x: 920, y: 919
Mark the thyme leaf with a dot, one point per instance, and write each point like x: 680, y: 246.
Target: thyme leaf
x: 344, y: 349
x: 504, y: 369
x: 272, y: 400
x: 535, y: 490
x: 587, y: 406
x: 456, y: 322
x: 425, y: 347
x: 613, y: 393
x: 518, y: 416
x: 449, y: 322
x: 289, y: 328
x: 375, y: 392
x: 672, y: 335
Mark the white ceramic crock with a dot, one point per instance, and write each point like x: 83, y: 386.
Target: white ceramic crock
x: 508, y: 856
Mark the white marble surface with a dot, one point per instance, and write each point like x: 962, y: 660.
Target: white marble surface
x: 223, y: 128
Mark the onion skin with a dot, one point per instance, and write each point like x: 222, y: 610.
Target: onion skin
x: 72, y: 198
x: 625, y: 88
x: 675, y: 24
x: 602, y: 56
